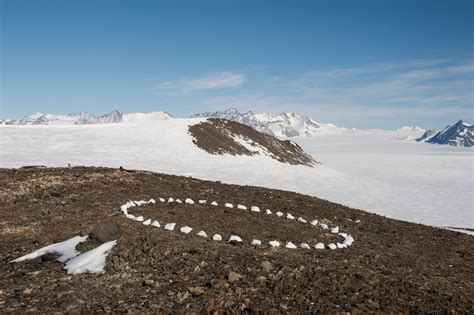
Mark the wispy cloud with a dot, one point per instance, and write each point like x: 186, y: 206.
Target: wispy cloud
x: 211, y: 81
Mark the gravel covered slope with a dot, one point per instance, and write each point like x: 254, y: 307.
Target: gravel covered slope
x: 392, y: 265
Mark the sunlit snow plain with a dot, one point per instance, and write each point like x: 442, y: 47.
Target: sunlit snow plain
x: 385, y: 172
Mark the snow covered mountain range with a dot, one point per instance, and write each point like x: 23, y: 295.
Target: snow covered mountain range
x: 282, y: 125
x: 84, y: 118
x: 459, y: 134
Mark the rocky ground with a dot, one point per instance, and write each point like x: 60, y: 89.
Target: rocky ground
x: 218, y: 136
x: 392, y: 266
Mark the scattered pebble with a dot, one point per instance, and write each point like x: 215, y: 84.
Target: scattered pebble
x: 241, y: 207
x: 155, y: 224
x: 228, y: 205
x: 268, y: 211
x: 202, y: 234
x: 266, y: 266
x: 189, y: 201
x: 147, y: 222
x: 217, y: 237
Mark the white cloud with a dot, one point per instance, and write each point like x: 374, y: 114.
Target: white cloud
x: 211, y: 81
x: 215, y: 81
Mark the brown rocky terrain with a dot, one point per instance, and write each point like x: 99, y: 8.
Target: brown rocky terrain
x: 218, y: 136
x: 393, y: 266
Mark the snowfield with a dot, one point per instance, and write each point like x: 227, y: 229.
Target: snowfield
x: 385, y: 172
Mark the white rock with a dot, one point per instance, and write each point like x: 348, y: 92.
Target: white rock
x: 202, y: 234
x: 139, y: 219
x: 274, y: 243
x: 341, y: 245
x: 162, y: 199
x: 228, y: 205
x: 214, y: 203
x: 189, y: 201
x: 202, y: 201
x: 268, y: 211
x: 319, y: 246
x: 178, y: 201
x: 289, y: 216
x: 332, y: 246
x: 305, y: 246
x: 255, y: 209
x: 290, y: 245
x: 279, y: 214
x: 147, y: 222
x: 314, y: 222
x: 125, y: 211
x: 170, y: 199
x: 241, y: 207
x: 140, y: 202
x: 123, y: 208
x: 357, y: 221
x: 235, y: 238
x: 152, y: 201
x: 342, y: 235
x: 300, y: 219
x: 155, y: 224
x: 130, y: 216
x: 217, y: 237
x: 185, y: 229
x: 256, y: 243
x: 335, y: 230
x: 348, y: 240
x: 170, y: 226
x: 130, y: 204
x: 324, y: 226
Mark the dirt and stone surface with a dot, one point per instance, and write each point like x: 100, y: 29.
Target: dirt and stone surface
x: 218, y: 136
x: 392, y: 266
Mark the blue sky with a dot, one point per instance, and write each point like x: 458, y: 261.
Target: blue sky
x: 360, y: 64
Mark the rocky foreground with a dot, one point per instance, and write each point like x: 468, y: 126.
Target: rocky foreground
x: 392, y: 266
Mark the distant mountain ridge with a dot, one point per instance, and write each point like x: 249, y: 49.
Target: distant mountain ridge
x: 280, y: 125
x: 85, y: 118
x: 459, y: 134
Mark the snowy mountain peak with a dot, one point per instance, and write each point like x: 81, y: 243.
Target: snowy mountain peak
x: 281, y: 125
x: 411, y: 128
x: 459, y: 134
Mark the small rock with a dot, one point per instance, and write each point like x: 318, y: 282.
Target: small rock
x: 106, y: 232
x: 27, y: 291
x: 233, y: 276
x: 266, y: 266
x: 148, y: 282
